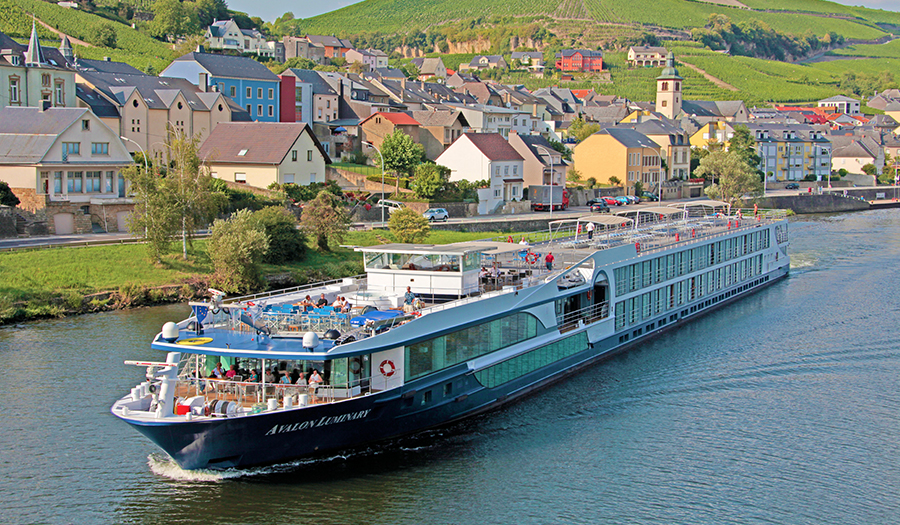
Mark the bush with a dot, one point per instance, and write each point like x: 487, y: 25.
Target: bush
x: 74, y: 300
x: 286, y: 242
x: 7, y: 197
x: 307, y: 193
x: 325, y: 218
x: 408, y: 226
x: 236, y: 247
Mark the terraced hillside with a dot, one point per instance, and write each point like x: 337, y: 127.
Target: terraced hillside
x: 132, y: 46
x: 795, y: 17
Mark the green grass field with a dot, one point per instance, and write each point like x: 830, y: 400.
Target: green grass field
x: 91, y: 269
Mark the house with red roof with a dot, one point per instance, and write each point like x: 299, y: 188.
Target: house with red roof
x: 486, y: 156
x: 377, y: 126
x: 583, y: 60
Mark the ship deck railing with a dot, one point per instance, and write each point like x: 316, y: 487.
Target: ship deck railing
x: 568, y: 321
x: 250, y: 395
x: 569, y: 245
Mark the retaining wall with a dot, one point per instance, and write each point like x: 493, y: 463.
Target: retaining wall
x: 811, y: 203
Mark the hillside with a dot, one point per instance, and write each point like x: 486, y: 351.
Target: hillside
x: 499, y: 26
x: 796, y: 17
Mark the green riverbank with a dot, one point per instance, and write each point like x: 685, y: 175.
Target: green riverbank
x: 63, y: 281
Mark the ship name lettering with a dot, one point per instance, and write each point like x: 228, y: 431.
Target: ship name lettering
x: 321, y: 422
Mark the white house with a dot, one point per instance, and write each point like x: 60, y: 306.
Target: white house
x: 64, y: 166
x: 226, y: 35
x: 486, y: 156
x: 843, y: 104
x: 260, y: 153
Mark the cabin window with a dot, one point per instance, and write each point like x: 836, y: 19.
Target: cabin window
x: 447, y: 350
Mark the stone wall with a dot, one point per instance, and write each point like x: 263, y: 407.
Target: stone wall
x: 32, y: 206
x: 107, y: 215
x: 494, y: 225
x: 359, y: 180
x: 811, y: 203
x: 7, y: 222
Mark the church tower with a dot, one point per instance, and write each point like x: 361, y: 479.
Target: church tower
x: 34, y: 56
x: 668, y: 89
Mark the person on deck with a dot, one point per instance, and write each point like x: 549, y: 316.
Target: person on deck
x: 270, y: 377
x: 254, y: 377
x: 409, y: 300
x: 217, y: 372
x: 231, y: 372
x: 346, y: 308
x: 322, y: 301
x: 590, y: 230
x: 301, y: 381
x: 314, y: 381
x: 306, y: 303
x: 338, y: 303
x: 548, y: 260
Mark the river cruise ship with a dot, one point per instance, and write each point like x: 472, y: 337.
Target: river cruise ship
x: 491, y: 322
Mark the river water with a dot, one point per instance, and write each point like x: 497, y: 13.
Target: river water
x: 781, y: 408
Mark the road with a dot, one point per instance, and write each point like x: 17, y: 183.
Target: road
x: 47, y: 241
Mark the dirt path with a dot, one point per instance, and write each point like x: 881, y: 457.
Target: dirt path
x: 721, y: 83
x: 73, y: 40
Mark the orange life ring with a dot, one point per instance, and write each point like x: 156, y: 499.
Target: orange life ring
x: 387, y: 368
x: 531, y: 258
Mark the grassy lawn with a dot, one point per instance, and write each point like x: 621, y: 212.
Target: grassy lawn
x: 85, y: 270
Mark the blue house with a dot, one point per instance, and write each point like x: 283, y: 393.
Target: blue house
x: 252, y: 85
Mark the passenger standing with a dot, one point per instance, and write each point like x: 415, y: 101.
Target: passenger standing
x: 314, y: 381
x: 590, y: 230
x: 409, y: 300
x: 548, y: 260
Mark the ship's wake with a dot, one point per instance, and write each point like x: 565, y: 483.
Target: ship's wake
x: 164, y: 466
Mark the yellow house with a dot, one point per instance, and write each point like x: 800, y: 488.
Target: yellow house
x: 716, y: 131
x: 623, y: 153
x: 260, y: 153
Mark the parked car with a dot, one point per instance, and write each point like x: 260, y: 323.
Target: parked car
x: 633, y: 199
x: 623, y: 201
x: 436, y: 214
x: 650, y: 196
x: 792, y: 186
x: 599, y: 207
x: 391, y: 206
x: 611, y: 201
x: 595, y: 201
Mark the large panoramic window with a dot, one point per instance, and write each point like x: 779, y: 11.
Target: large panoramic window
x: 528, y: 362
x: 460, y: 346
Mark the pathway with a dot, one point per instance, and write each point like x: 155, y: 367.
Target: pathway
x: 721, y: 83
x: 73, y: 40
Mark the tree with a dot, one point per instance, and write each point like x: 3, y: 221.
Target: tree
x: 286, y: 242
x: 563, y: 150
x: 735, y: 177
x: 154, y: 217
x: 325, y: 219
x: 615, y: 181
x: 401, y: 154
x: 869, y: 169
x: 409, y: 226
x: 357, y: 67
x: 638, y: 188
x: 236, y: 247
x: 7, y: 197
x: 743, y: 144
x: 573, y: 176
x: 581, y: 130
x: 181, y: 201
x: 189, y: 185
x: 171, y: 19
x: 105, y: 35
x: 430, y: 180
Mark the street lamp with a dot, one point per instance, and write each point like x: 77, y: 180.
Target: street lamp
x: 147, y: 169
x: 382, y: 176
x: 551, y: 176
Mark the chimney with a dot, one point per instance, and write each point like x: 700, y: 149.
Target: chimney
x: 403, y: 83
x: 204, y: 82
x: 45, y: 105
x: 200, y: 49
x: 107, y: 59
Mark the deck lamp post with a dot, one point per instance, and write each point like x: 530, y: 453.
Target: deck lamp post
x: 551, y: 176
x: 367, y: 143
